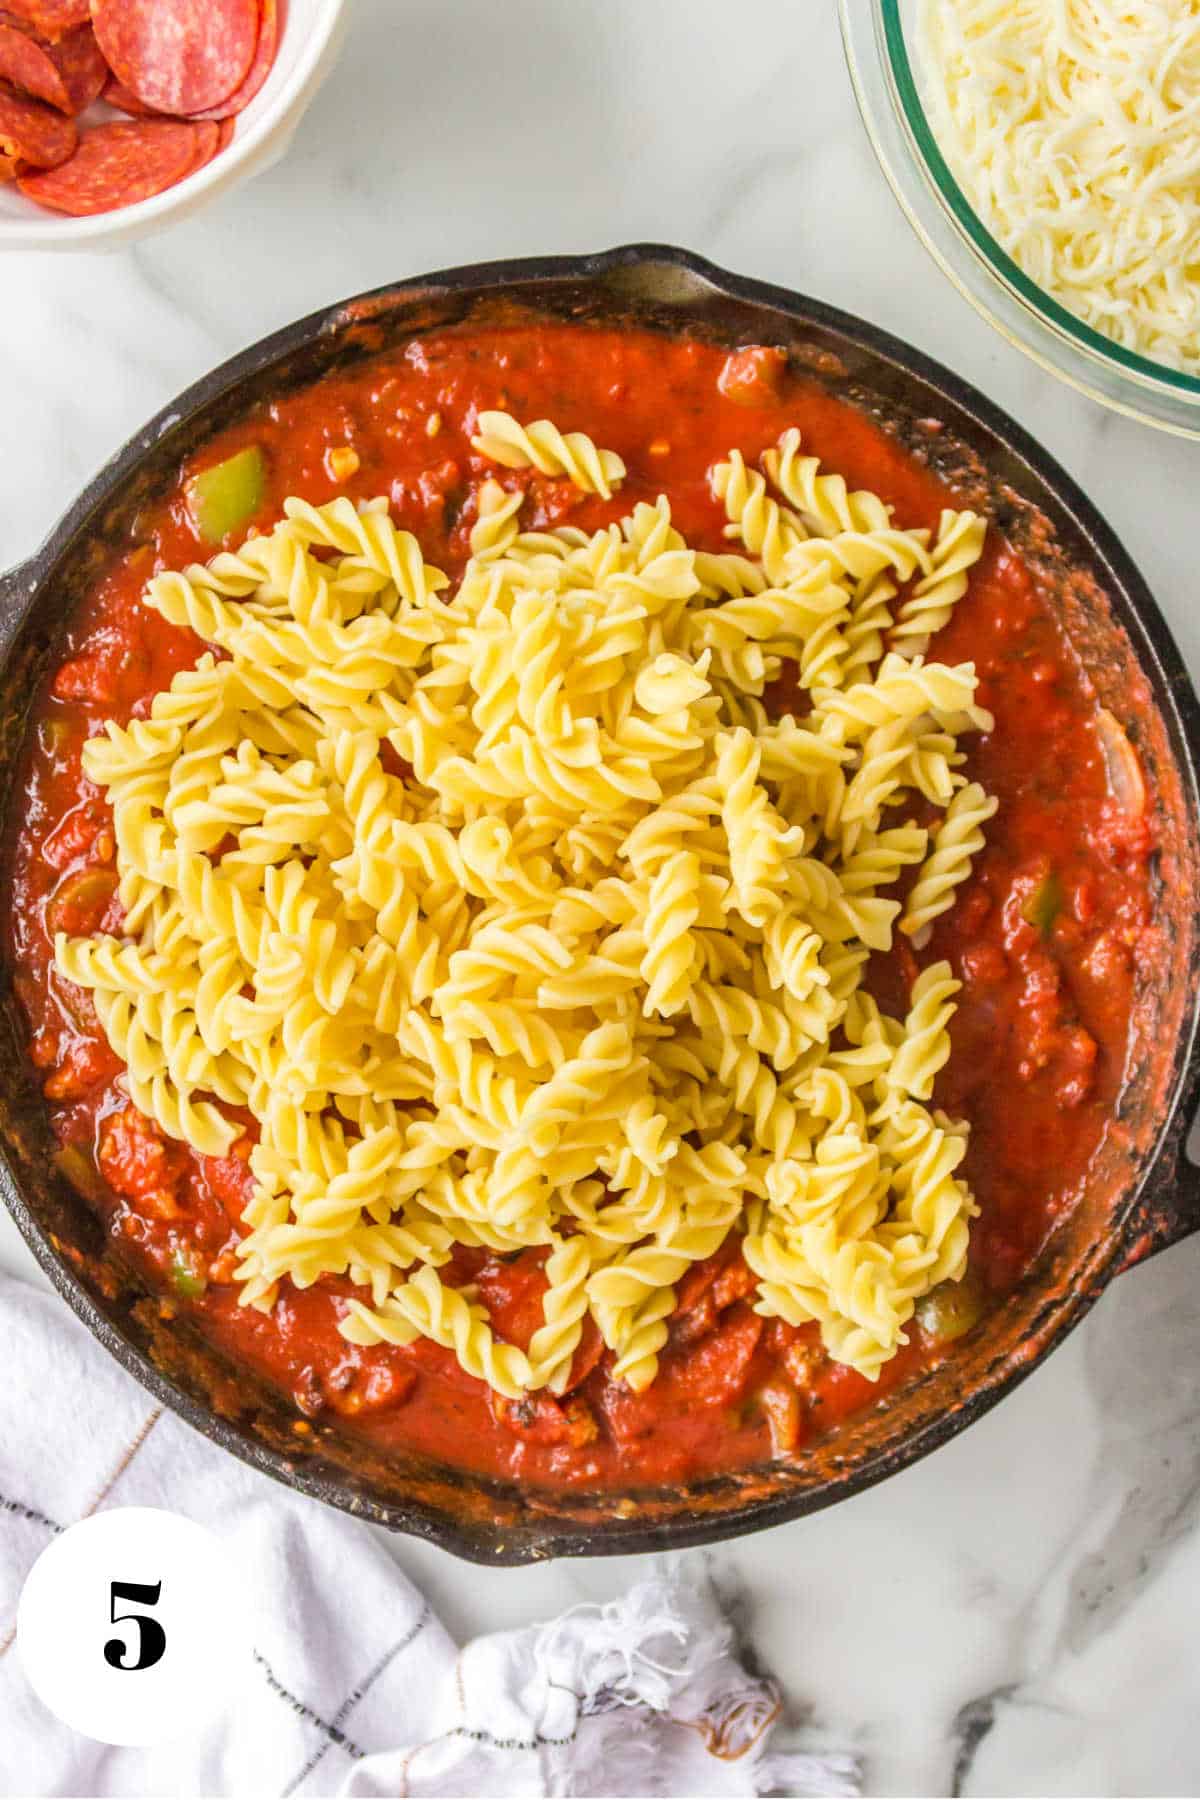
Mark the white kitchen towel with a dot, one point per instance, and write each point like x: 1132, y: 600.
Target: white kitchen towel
x: 356, y: 1688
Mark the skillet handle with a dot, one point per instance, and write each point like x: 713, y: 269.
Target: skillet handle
x: 1169, y: 1208
x: 16, y: 586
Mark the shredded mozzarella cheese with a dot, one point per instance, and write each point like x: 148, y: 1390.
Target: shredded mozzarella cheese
x: 1073, y: 127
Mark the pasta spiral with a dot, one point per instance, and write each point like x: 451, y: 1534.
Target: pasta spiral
x: 958, y: 838
x: 585, y: 980
x: 958, y: 546
x: 544, y: 447
x: 822, y: 500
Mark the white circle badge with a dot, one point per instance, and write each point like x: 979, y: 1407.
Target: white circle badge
x: 134, y: 1626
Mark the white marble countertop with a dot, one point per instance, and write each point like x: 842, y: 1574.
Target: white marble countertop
x: 1016, y: 1613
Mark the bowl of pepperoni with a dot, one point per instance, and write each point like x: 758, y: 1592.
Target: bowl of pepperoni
x: 119, y: 116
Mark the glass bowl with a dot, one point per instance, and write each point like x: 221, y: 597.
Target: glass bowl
x: 880, y: 50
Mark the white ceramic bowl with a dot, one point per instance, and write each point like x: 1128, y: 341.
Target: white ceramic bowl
x: 308, y: 45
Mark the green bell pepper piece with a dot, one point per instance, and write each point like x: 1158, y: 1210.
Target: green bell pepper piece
x: 1043, y: 906
x: 184, y: 1279
x: 228, y: 495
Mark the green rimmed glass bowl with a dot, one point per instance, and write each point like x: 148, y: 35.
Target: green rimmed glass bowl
x: 879, y: 36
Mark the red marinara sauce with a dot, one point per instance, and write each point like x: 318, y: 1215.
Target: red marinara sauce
x: 1045, y: 936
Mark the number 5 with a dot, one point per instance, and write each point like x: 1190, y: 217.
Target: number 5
x: 152, y: 1639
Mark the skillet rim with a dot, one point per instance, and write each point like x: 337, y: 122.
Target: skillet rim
x: 1149, y: 1221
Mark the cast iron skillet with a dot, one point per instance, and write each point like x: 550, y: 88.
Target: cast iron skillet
x: 1143, y: 1194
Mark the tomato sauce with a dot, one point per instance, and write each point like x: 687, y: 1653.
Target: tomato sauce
x: 1045, y: 936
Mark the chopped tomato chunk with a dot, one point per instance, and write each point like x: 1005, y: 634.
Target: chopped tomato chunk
x: 1076, y: 1066
x: 230, y: 1180
x: 751, y: 377
x: 109, y: 671
x: 357, y: 1387
x: 734, y: 1282
x: 136, y: 1159
x: 716, y: 1371
x: 513, y: 1293
x: 541, y: 1419
x: 88, y: 1062
x: 983, y: 964
x: 74, y: 833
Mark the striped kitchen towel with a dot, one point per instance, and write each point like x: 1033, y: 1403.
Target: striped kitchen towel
x: 355, y: 1687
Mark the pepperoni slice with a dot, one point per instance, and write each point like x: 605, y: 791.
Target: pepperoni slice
x: 125, y: 102
x: 178, y: 56
x: 116, y: 165
x: 29, y: 65
x: 50, y: 18
x: 33, y: 133
x: 68, y: 74
x: 83, y: 69
x: 8, y: 168
x: 118, y: 95
x: 260, y: 68
x: 208, y: 142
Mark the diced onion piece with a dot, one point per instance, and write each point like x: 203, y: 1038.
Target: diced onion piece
x: 781, y: 1405
x: 1125, y: 780
x: 951, y: 1310
x: 750, y: 377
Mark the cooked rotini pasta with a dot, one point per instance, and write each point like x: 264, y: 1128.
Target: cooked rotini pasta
x: 515, y: 922
x: 958, y: 838
x: 958, y: 548
x: 544, y: 447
